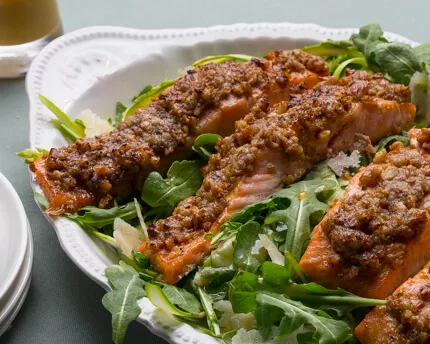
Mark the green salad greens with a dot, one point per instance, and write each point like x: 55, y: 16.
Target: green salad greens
x: 183, y: 180
x: 255, y: 270
x: 251, y: 286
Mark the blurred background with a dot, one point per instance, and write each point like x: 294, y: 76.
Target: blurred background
x: 63, y: 305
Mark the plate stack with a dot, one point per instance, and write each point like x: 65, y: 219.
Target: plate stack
x: 16, y: 254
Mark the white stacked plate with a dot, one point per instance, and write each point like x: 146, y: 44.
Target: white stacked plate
x: 16, y: 254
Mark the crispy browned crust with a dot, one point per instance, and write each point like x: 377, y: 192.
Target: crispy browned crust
x: 116, y: 163
x: 371, y: 229
x: 406, y: 317
x: 301, y: 129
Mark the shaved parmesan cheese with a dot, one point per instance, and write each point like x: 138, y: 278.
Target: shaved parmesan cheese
x: 256, y: 248
x: 141, y: 221
x: 342, y: 162
x: 94, y: 125
x: 233, y: 321
x: 274, y: 254
x: 127, y: 237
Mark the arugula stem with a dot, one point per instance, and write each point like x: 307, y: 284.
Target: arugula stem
x: 103, y: 237
x: 217, y: 237
x: 292, y: 263
x: 363, y: 302
x: 149, y: 276
x: 210, y: 313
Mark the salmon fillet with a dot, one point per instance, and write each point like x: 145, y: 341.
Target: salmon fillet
x: 406, y: 317
x: 209, y: 99
x: 378, y: 234
x: 270, y: 150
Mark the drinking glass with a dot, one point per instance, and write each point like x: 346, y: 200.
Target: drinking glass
x: 26, y: 26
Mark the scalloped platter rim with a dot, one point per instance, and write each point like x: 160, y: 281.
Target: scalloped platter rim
x: 95, y: 67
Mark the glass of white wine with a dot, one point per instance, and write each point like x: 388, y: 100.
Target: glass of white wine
x: 26, y: 26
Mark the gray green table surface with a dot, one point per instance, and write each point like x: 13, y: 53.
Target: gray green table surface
x: 63, y: 305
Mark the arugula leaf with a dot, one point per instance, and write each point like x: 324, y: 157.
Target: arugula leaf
x: 119, y: 110
x: 368, y: 35
x: 303, y: 203
x: 338, y: 300
x: 422, y: 53
x: 228, y: 336
x: 325, y: 329
x: 217, y: 276
x: 121, y: 302
x: 386, y: 143
x: 223, y: 58
x: 155, y: 214
x: 204, y: 145
x: 31, y: 155
x: 326, y: 187
x: 141, y: 260
x: 41, y: 199
x: 267, y: 317
x: 242, y: 292
x: 256, y: 209
x: 370, y: 50
x: 183, y: 180
x: 275, y: 278
x: 313, y: 294
x: 243, y: 256
x: 99, y: 218
x: 327, y: 194
x: 366, y: 41
x: 398, y: 60
x: 275, y: 274
x: 183, y: 299
x: 333, y: 48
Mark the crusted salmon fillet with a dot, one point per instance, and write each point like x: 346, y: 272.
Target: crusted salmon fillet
x: 378, y: 234
x: 406, y: 317
x: 209, y: 99
x: 270, y: 150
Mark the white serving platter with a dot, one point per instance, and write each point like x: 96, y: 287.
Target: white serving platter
x: 96, y: 67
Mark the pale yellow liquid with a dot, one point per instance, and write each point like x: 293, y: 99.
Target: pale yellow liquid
x: 23, y: 21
